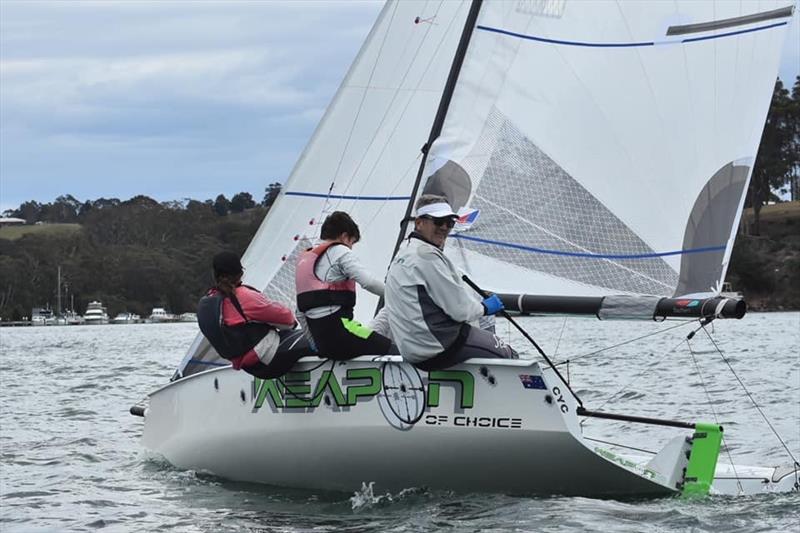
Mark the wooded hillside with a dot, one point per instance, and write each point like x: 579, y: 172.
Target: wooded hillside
x: 131, y: 255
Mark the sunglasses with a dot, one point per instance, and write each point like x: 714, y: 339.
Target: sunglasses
x: 441, y: 221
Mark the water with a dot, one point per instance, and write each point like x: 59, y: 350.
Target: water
x: 71, y: 457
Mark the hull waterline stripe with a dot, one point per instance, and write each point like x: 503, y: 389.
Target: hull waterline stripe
x: 588, y: 255
x: 346, y: 196
x: 623, y: 45
x: 209, y: 363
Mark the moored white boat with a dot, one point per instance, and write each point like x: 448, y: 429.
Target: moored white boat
x: 95, y: 314
x: 40, y: 316
x: 188, y: 317
x: 160, y: 315
x: 73, y: 318
x: 572, y: 149
x: 126, y: 318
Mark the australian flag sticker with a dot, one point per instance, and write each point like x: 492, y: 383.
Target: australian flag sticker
x: 532, y: 382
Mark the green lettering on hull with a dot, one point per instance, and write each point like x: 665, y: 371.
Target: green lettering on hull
x: 293, y: 390
x: 458, y: 376
x: 296, y: 387
x: 357, y: 391
x: 328, y: 380
x: 264, y: 387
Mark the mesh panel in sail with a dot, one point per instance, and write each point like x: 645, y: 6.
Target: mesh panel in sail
x: 535, y: 215
x: 281, y: 288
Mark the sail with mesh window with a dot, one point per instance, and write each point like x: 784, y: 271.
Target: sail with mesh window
x: 608, y: 145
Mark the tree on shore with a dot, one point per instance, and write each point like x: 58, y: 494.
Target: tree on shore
x: 272, y: 191
x: 221, y: 205
x: 777, y: 157
x: 242, y: 201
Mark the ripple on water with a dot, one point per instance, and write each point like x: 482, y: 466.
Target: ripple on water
x: 71, y: 412
x: 27, y: 494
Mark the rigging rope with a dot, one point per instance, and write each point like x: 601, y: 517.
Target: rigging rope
x: 755, y: 404
x: 561, y: 334
x: 702, y: 325
x: 580, y: 356
x: 632, y: 380
x: 713, y: 411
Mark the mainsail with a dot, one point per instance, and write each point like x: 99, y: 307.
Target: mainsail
x: 607, y: 145
x: 364, y: 155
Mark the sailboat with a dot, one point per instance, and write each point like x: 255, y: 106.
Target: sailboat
x: 602, y: 151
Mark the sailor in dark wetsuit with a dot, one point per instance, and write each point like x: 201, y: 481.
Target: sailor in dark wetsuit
x: 244, y: 326
x: 325, y: 279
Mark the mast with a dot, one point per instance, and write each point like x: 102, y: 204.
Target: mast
x: 441, y: 113
x: 58, y: 305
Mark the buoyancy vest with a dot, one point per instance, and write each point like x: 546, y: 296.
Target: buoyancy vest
x: 230, y: 342
x: 313, y: 292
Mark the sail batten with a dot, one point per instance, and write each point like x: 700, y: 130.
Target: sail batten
x: 628, y: 44
x: 699, y: 27
x: 590, y: 255
x: 346, y: 196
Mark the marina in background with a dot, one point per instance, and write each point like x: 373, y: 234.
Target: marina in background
x: 96, y: 314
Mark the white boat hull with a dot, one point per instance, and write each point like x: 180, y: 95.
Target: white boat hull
x: 484, y: 426
x: 507, y: 437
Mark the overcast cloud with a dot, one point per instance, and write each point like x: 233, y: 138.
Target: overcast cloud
x: 173, y: 99
x: 169, y: 99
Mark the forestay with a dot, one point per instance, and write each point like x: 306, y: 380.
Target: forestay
x: 364, y: 155
x: 608, y: 145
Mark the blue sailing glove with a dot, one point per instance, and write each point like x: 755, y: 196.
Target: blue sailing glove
x: 492, y: 305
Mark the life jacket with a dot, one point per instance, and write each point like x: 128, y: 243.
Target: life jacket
x: 230, y: 342
x: 313, y: 292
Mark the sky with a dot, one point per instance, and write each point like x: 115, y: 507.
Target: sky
x: 174, y: 98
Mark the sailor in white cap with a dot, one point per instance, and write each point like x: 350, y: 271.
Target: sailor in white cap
x: 432, y: 314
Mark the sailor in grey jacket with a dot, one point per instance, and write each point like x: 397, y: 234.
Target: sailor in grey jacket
x: 432, y: 314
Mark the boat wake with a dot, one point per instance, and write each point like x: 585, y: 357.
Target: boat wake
x: 365, y: 498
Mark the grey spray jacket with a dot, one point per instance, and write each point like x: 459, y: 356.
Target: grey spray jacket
x: 427, y: 301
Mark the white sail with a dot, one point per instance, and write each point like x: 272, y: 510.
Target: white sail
x: 608, y: 145
x: 364, y: 156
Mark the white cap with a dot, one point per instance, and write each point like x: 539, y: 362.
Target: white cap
x: 437, y: 210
